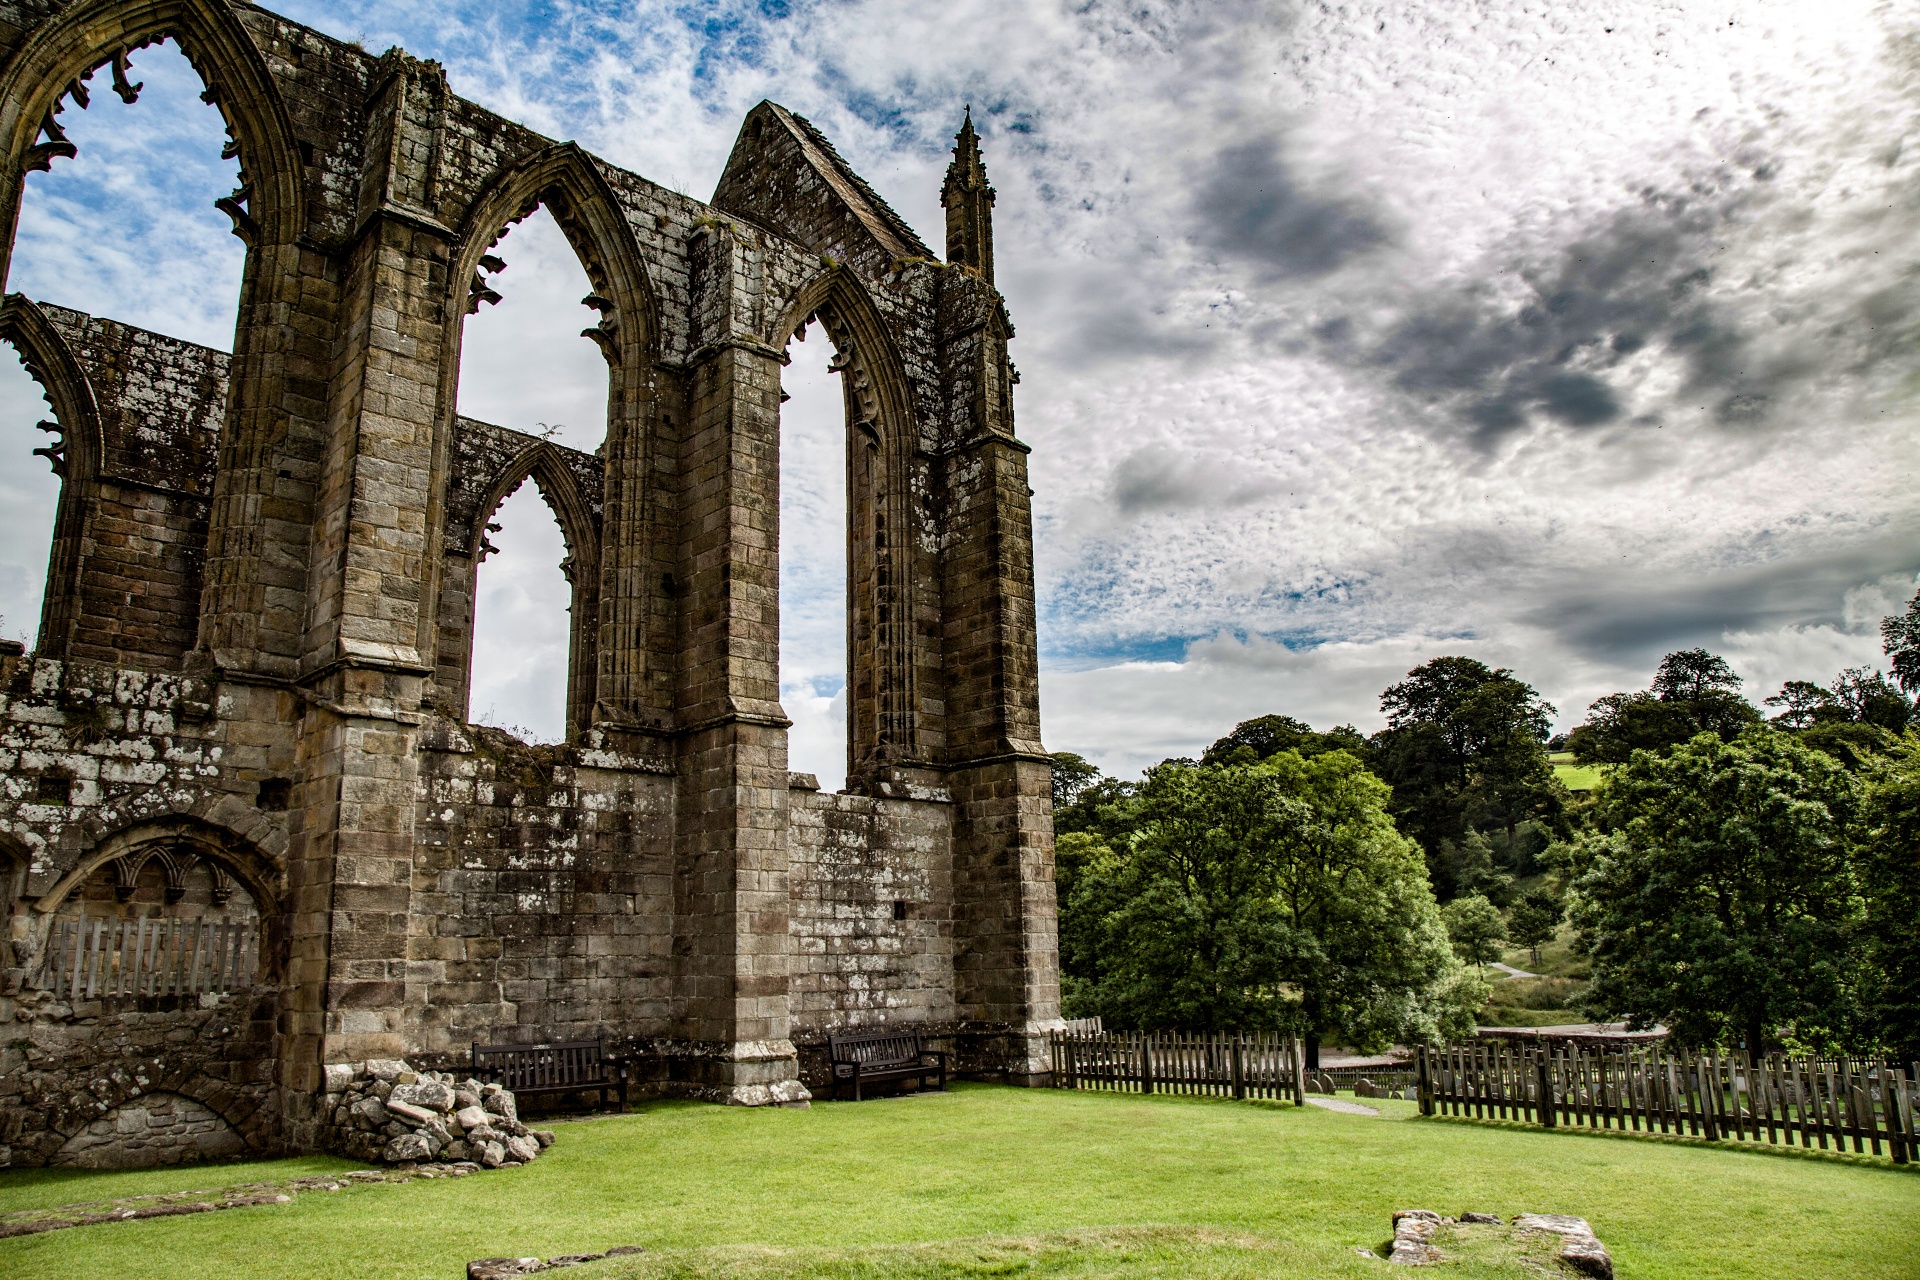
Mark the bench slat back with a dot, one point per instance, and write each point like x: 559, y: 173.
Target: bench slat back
x: 542, y: 1066
x: 874, y: 1047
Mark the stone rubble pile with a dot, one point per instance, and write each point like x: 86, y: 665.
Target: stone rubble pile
x: 382, y: 1110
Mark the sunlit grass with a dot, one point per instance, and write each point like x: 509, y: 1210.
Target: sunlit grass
x: 995, y: 1181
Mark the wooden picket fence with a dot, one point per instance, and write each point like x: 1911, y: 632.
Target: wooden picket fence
x: 98, y: 959
x: 1712, y: 1096
x: 1233, y: 1066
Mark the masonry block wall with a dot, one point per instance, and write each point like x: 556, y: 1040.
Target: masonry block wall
x: 246, y: 713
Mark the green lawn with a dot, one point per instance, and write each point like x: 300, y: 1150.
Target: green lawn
x: 996, y: 1181
x: 1574, y: 777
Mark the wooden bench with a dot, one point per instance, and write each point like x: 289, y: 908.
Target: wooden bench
x: 864, y: 1057
x: 580, y: 1066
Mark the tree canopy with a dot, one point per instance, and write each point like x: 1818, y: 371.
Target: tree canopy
x: 1465, y: 749
x: 1693, y: 692
x: 1475, y: 928
x: 1259, y: 739
x: 1900, y: 640
x: 1716, y: 895
x: 1889, y: 870
x: 1268, y: 895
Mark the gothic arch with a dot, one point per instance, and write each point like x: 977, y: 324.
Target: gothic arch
x: 563, y: 179
x: 888, y: 527
x: 25, y: 327
x: 253, y: 871
x: 543, y: 464
x: 75, y: 453
x: 267, y: 208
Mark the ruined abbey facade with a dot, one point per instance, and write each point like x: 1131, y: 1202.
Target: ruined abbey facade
x: 245, y: 828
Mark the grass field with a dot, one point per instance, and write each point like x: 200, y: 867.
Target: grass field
x: 1007, y: 1182
x: 1574, y: 777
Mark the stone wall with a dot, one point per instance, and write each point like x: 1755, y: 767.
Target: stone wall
x: 156, y: 1129
x: 872, y: 919
x: 107, y: 1084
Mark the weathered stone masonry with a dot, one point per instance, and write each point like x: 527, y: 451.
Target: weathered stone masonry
x: 245, y: 715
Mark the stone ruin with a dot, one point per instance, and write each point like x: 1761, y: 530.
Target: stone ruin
x: 1423, y: 1238
x: 246, y: 832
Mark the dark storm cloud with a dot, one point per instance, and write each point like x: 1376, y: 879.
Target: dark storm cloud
x: 1646, y: 277
x: 1251, y: 208
x: 1158, y: 479
x: 1631, y: 621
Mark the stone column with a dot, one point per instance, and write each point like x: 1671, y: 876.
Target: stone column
x: 366, y: 665
x: 731, y: 904
x: 1006, y: 952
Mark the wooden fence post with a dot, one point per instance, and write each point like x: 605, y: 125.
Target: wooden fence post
x: 1425, y: 1083
x: 1299, y: 1063
x: 1146, y: 1062
x: 1543, y: 1081
x: 1239, y: 1073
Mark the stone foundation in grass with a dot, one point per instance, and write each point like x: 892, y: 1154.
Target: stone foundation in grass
x: 1536, y: 1242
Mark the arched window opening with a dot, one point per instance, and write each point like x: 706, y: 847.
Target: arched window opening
x: 813, y: 560
x: 122, y: 224
x: 162, y: 920
x: 126, y: 226
x: 522, y: 622
x: 29, y: 499
x: 524, y: 363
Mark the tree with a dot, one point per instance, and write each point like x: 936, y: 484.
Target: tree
x: 1693, y: 692
x: 1802, y: 704
x: 1259, y: 739
x: 1464, y: 747
x: 1072, y: 775
x: 1865, y: 696
x: 1475, y: 928
x: 1888, y: 865
x: 1853, y: 719
x: 1267, y: 896
x: 1716, y: 894
x: 1084, y: 799
x: 1694, y: 675
x: 1900, y: 641
x: 1533, y: 920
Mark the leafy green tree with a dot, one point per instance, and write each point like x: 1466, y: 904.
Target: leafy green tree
x: 1716, y: 895
x: 1888, y: 864
x: 1533, y: 919
x: 1267, y: 896
x: 1854, y: 720
x: 1475, y: 929
x: 1084, y: 799
x: 1900, y: 641
x: 1259, y: 739
x: 1865, y: 696
x: 1803, y: 704
x: 1693, y: 692
x: 1464, y: 747
x: 1072, y: 774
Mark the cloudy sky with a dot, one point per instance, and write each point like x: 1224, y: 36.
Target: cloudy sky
x: 1558, y: 335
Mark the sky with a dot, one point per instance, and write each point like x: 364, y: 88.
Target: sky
x: 1559, y: 335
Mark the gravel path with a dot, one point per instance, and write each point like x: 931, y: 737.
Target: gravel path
x: 1512, y: 972
x: 1343, y: 1106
